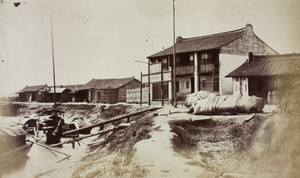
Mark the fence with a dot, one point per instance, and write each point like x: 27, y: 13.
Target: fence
x: 133, y: 95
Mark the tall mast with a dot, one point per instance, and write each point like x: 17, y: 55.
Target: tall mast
x: 174, y: 60
x: 53, y: 66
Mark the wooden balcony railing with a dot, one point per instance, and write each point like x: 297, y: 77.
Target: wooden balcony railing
x: 207, y: 68
x: 184, y: 70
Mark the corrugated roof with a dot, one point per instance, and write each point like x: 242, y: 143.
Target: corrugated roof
x: 107, y: 83
x: 202, y: 43
x: 32, y: 88
x: 286, y: 64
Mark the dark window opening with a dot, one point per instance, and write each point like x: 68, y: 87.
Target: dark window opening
x: 165, y: 64
x: 177, y: 86
x: 184, y: 60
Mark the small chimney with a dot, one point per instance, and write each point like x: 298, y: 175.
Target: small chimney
x: 249, y: 28
x: 178, y: 39
x: 250, y: 54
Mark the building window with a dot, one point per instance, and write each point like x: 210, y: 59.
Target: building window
x: 206, y: 58
x: 177, y: 86
x: 191, y: 60
x: 165, y: 63
x: 187, y: 85
x: 203, y: 83
x: 184, y: 60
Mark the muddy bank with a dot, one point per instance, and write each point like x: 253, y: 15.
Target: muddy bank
x: 176, y: 144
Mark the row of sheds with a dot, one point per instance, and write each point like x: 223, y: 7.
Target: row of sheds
x: 96, y: 90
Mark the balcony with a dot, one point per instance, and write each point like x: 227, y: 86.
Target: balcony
x: 207, y: 68
x: 183, y: 70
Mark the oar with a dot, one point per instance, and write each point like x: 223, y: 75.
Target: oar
x: 49, y: 148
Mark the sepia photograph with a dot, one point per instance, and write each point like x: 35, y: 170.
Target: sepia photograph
x: 150, y: 88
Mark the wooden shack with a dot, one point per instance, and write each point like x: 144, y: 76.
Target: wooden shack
x: 33, y: 93
x: 109, y: 90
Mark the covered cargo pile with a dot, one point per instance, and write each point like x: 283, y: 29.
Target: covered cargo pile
x: 204, y: 102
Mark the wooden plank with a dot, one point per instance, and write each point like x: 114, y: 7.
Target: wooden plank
x: 110, y: 121
x: 83, y: 137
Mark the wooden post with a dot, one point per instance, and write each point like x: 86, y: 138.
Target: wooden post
x: 149, y: 101
x: 162, y: 83
x: 53, y: 65
x: 212, y: 78
x: 141, y: 93
x: 174, y: 60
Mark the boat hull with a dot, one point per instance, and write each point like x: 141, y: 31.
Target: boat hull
x: 17, y: 152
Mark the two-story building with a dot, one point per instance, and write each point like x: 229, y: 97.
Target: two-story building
x: 203, y: 62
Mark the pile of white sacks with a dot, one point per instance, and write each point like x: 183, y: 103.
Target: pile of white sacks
x: 204, y: 102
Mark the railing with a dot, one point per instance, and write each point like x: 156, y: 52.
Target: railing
x: 101, y: 124
x: 184, y: 70
x: 206, y: 67
x: 133, y: 95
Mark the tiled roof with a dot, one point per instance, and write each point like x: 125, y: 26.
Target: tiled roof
x: 32, y: 88
x: 287, y: 64
x: 74, y: 87
x: 202, y: 43
x: 107, y: 83
x: 57, y: 90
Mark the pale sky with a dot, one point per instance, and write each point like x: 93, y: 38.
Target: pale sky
x: 103, y: 38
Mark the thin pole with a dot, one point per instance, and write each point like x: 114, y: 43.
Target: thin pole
x: 174, y: 59
x: 149, y: 101
x: 53, y: 66
x: 162, y: 83
x: 141, y: 89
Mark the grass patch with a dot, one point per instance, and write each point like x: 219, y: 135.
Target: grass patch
x: 243, y: 136
x: 189, y: 133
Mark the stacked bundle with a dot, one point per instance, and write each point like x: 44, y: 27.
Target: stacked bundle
x: 210, y: 103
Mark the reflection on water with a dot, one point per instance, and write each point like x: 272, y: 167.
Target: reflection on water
x: 13, y: 165
x: 37, y: 160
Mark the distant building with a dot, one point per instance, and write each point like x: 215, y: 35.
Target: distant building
x: 266, y: 76
x: 33, y: 93
x: 203, y: 62
x: 59, y: 90
x: 108, y: 90
x: 73, y: 93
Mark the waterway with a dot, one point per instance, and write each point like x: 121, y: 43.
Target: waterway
x: 38, y: 159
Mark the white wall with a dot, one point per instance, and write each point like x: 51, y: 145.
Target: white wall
x: 228, y: 63
x: 183, y: 90
x: 240, y: 86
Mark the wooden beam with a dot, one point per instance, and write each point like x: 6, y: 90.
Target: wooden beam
x: 109, y: 121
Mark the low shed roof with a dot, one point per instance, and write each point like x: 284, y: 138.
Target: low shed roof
x: 74, y: 87
x: 107, y: 83
x: 272, y: 65
x: 32, y: 88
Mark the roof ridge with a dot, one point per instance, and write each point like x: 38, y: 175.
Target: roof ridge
x: 114, y: 78
x: 216, y: 34
x: 278, y: 55
x: 36, y: 85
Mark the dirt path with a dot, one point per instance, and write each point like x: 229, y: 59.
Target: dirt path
x: 157, y: 155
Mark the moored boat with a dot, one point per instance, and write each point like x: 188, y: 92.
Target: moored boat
x: 13, y: 142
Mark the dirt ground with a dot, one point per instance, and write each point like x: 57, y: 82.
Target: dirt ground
x: 171, y: 143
